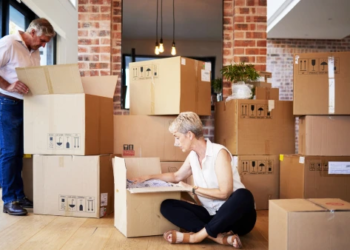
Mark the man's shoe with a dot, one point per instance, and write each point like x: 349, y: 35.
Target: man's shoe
x: 13, y: 208
x: 25, y: 203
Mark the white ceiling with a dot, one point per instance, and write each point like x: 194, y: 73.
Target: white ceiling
x: 194, y: 19
x: 309, y: 19
x: 202, y: 19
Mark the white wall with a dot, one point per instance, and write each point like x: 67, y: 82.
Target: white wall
x: 64, y: 18
x: 183, y: 48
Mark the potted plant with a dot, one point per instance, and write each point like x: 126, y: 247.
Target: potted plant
x: 216, y: 84
x: 238, y: 74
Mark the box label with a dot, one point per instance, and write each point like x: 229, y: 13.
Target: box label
x: 337, y: 167
x: 104, y: 199
x: 128, y: 150
x: 256, y: 167
x: 75, y: 203
x: 144, y: 72
x: 205, y: 75
x: 255, y: 111
x: 317, y: 66
x: 64, y: 141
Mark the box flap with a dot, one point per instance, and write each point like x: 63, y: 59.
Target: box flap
x: 142, y: 166
x: 100, y: 85
x: 332, y: 204
x: 156, y: 190
x: 53, y: 79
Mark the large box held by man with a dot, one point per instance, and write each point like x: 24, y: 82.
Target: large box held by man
x: 260, y: 175
x: 310, y: 177
x: 324, y: 135
x: 67, y: 114
x: 321, y: 224
x: 322, y: 83
x: 145, y: 136
x: 137, y: 210
x: 248, y: 127
x: 76, y: 186
x: 170, y: 86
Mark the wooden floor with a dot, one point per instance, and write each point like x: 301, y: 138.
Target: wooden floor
x: 57, y: 232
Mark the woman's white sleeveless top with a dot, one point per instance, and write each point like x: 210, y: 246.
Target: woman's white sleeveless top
x: 205, y: 177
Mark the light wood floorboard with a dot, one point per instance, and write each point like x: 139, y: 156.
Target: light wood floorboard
x: 57, y: 232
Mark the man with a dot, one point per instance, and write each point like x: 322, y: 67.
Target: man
x: 17, y: 50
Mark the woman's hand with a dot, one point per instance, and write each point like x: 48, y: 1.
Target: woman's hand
x: 185, y: 185
x: 139, y: 179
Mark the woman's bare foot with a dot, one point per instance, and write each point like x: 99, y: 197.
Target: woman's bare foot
x: 228, y: 239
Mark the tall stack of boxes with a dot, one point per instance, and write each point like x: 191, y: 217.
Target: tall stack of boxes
x: 68, y: 127
x: 256, y: 132
x: 321, y: 89
x: 159, y: 90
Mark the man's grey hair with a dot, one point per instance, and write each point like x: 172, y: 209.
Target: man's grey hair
x: 42, y: 27
x: 187, y: 121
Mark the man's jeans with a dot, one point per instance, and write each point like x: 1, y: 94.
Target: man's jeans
x: 11, y: 149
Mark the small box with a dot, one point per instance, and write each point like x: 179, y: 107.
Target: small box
x: 260, y: 175
x: 132, y: 140
x: 137, y: 210
x: 261, y: 127
x: 170, y: 86
x: 67, y: 114
x: 75, y: 186
x: 264, y: 93
x: 308, y: 177
x: 309, y: 224
x: 324, y: 135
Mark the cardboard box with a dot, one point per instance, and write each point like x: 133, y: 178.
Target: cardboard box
x: 77, y: 186
x: 260, y: 84
x: 308, y: 177
x: 264, y: 93
x: 322, y: 83
x: 170, y: 86
x: 137, y: 210
x: 320, y: 224
x: 66, y: 114
x: 145, y: 136
x: 248, y: 127
x: 324, y: 135
x: 260, y: 175
x: 27, y: 176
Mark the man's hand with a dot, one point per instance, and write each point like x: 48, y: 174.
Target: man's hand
x: 18, y: 87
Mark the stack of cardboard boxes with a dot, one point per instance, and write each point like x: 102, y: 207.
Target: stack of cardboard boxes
x: 68, y: 127
x: 159, y: 90
x: 256, y: 132
x: 310, y: 214
x: 321, y: 89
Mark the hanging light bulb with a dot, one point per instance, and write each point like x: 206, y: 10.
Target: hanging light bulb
x: 156, y: 50
x: 173, y: 49
x: 161, y: 46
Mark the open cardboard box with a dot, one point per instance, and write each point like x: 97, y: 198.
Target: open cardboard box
x: 67, y: 114
x: 137, y: 210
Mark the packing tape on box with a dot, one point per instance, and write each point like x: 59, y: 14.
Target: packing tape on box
x: 331, y: 86
x: 153, y: 85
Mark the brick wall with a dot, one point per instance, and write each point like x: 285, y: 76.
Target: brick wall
x: 280, y: 61
x: 244, y: 37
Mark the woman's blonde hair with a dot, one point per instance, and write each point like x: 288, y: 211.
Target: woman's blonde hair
x: 187, y: 121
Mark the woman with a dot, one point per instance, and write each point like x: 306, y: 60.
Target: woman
x: 227, y: 208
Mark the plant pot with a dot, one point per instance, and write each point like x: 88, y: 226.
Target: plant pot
x: 241, y: 91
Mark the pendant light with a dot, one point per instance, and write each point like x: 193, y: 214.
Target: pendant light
x: 173, y: 49
x: 161, y: 46
x: 156, y: 49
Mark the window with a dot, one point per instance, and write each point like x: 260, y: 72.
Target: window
x: 125, y: 95
x: 16, y: 17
